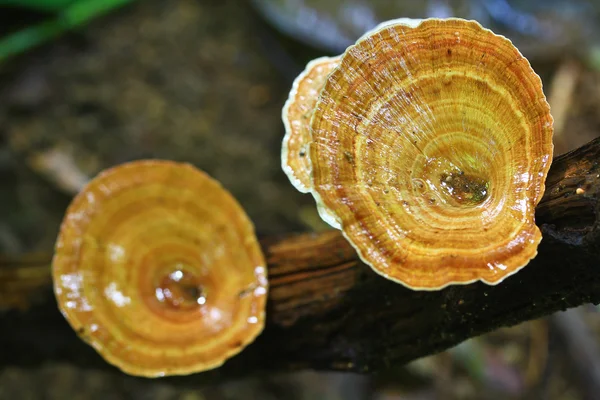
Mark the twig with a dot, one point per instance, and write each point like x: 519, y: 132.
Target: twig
x: 327, y: 310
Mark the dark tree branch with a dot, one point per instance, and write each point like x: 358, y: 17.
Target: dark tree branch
x: 327, y: 310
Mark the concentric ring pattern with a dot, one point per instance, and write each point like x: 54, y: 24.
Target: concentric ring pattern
x: 430, y: 148
x: 158, y: 268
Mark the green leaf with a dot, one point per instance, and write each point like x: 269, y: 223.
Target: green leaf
x: 77, y: 14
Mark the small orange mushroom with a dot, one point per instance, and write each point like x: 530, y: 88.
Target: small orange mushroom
x: 430, y: 145
x: 296, y: 116
x: 158, y: 268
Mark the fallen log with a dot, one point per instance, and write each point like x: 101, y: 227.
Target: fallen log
x: 329, y: 311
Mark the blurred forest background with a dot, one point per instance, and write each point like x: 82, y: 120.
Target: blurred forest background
x: 204, y: 81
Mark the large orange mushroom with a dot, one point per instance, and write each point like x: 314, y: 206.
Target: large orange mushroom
x: 429, y: 148
x: 158, y: 268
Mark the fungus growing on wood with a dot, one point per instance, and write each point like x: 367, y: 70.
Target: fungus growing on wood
x: 296, y: 116
x: 158, y: 268
x: 430, y: 147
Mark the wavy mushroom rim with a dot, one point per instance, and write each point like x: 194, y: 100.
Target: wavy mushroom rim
x: 289, y: 171
x: 332, y: 218
x: 409, y: 22
x: 434, y: 288
x: 131, y: 369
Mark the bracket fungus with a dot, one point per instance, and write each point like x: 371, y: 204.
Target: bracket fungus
x: 429, y: 147
x: 158, y: 268
x: 296, y: 115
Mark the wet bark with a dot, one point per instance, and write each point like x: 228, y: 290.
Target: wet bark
x: 329, y: 311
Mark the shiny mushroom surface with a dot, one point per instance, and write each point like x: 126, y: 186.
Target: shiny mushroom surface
x: 430, y: 148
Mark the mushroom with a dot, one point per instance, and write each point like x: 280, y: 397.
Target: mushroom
x: 296, y: 116
x: 298, y: 109
x: 158, y: 268
x: 430, y: 145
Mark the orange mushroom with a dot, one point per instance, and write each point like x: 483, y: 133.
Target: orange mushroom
x: 430, y: 145
x: 158, y: 268
x: 296, y: 115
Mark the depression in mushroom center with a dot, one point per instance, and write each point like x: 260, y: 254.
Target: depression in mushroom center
x: 453, y: 188
x: 452, y: 174
x: 465, y: 189
x: 181, y: 289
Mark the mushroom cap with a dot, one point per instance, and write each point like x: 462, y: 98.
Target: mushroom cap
x: 158, y: 268
x: 430, y: 147
x: 296, y: 120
